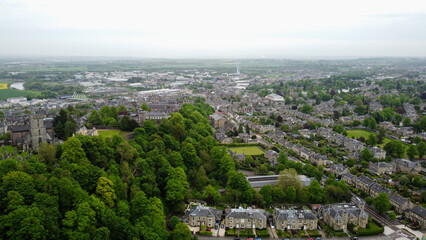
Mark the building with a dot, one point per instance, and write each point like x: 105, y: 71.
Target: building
x: 418, y: 214
x: 405, y: 165
x: 401, y: 204
x: 29, y: 137
x: 217, y: 121
x: 378, y: 153
x: 339, y: 215
x: 381, y: 167
x: 275, y: 97
x: 202, y: 215
x: 364, y: 183
x: 245, y: 218
x: 294, y: 219
x: 349, y: 178
x: 83, y: 131
x: 338, y: 169
x: 272, y: 156
x: 376, y: 189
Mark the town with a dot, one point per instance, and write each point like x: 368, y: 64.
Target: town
x: 226, y: 149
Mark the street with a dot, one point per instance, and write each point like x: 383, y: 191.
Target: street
x: 378, y: 237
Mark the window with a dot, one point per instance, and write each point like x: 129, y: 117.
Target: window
x: 242, y: 220
x: 230, y: 221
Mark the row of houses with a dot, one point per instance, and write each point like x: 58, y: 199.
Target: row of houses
x: 336, y: 215
x: 400, y: 204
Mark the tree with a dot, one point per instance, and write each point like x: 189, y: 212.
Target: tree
x: 211, y: 195
x: 315, y: 192
x: 372, y: 140
x: 411, y: 152
x: 350, y: 162
x: 406, y: 122
x: 173, y: 221
x: 95, y: 118
x: 372, y: 124
x: 382, y: 203
x: 145, y: 107
x: 105, y: 191
x: 290, y: 194
x: 46, y: 153
x: 70, y: 128
x: 289, y: 177
x: 404, y: 180
x: 73, y: 152
x: 306, y: 109
x: 366, y: 155
x: 248, y: 160
x: 395, y: 148
x: 421, y: 149
x: 181, y: 232
x: 266, y: 192
x: 282, y: 157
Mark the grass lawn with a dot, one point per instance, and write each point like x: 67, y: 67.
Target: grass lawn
x: 13, y: 93
x: 110, y: 133
x: 249, y: 150
x: 357, y: 133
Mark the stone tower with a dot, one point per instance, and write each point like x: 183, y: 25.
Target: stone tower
x: 38, y: 131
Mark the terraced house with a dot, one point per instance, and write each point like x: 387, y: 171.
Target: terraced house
x: 339, y: 215
x: 294, y: 219
x: 202, y: 215
x: 245, y: 218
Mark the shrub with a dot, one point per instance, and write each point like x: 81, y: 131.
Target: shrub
x: 373, y: 228
x: 206, y: 233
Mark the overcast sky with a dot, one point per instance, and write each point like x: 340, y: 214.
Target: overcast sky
x: 213, y: 28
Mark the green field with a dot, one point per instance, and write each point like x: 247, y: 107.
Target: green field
x: 110, y: 133
x: 13, y: 93
x: 249, y: 150
x: 357, y: 133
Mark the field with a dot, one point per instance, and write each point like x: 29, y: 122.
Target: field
x: 357, y: 133
x: 3, y: 86
x: 110, y: 133
x: 249, y: 150
x: 13, y: 93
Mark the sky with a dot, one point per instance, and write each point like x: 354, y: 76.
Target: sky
x: 213, y: 28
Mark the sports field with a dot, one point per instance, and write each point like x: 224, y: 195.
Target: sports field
x: 110, y: 133
x: 249, y: 150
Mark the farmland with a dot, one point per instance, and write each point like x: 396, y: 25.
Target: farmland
x: 13, y: 93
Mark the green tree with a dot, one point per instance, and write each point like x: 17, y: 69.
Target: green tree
x: 173, y: 221
x: 406, y: 122
x: 181, y: 232
x: 145, y: 107
x: 315, y: 192
x: 211, y: 195
x: 73, y: 152
x: 421, y: 149
x: 282, y: 157
x: 105, y: 191
x: 47, y: 153
x: 306, y: 109
x: 366, y: 155
x: 290, y: 194
x: 412, y: 152
x: 95, y: 118
x: 289, y: 177
x: 372, y: 140
x: 266, y: 192
x: 382, y: 203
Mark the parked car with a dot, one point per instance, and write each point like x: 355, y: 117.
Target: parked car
x: 354, y: 238
x: 319, y: 228
x: 236, y: 238
x: 286, y: 238
x: 216, y: 227
x: 222, y: 226
x: 317, y: 238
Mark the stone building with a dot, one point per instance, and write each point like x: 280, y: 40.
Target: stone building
x: 245, y: 218
x: 418, y: 214
x: 202, y: 215
x: 29, y: 137
x: 339, y: 215
x: 294, y: 219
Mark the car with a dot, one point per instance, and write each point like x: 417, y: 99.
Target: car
x: 354, y: 238
x: 258, y: 239
x: 286, y: 238
x: 249, y: 238
x: 236, y: 238
x: 317, y: 238
x: 216, y: 227
x: 222, y: 226
x: 319, y: 228
x: 310, y: 239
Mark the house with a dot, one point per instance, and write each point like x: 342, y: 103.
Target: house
x: 349, y: 178
x: 400, y: 204
x: 376, y: 189
x: 83, y: 131
x: 305, y: 153
x: 378, y: 153
x: 338, y: 169
x: 294, y: 219
x: 386, y: 125
x: 405, y: 165
x: 201, y: 215
x: 318, y: 159
x: 364, y: 183
x: 381, y: 167
x: 339, y: 215
x: 272, y: 156
x: 245, y: 218
x: 418, y: 214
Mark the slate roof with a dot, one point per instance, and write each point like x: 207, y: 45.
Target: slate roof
x: 203, y: 211
x: 397, y: 199
x: 380, y: 189
x: 365, y: 180
x: 419, y: 211
x: 21, y: 128
x: 291, y: 214
x: 248, y: 213
x: 336, y: 211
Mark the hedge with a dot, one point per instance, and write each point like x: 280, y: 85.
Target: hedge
x: 206, y: 233
x: 262, y: 233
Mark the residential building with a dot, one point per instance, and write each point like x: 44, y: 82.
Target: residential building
x: 364, y: 183
x: 377, y: 189
x: 405, y: 165
x: 418, y: 214
x: 400, y: 204
x: 201, y: 215
x: 339, y: 215
x: 349, y: 178
x: 378, y: 153
x: 245, y: 218
x: 272, y: 156
x: 381, y: 167
x: 294, y: 219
